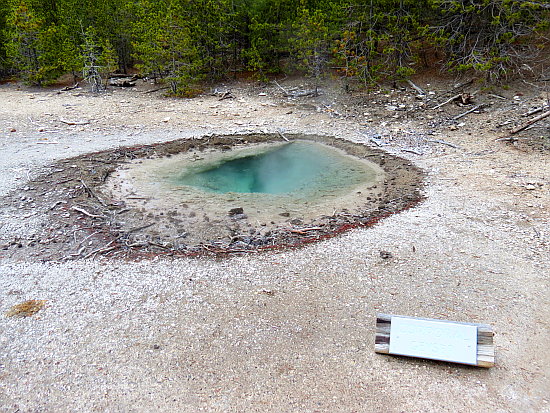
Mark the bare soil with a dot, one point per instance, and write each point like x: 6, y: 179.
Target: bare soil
x: 288, y: 330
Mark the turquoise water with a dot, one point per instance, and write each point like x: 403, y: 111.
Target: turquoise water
x: 295, y: 167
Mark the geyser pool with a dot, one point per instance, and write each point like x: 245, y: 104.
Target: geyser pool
x: 281, y: 169
x: 189, y: 196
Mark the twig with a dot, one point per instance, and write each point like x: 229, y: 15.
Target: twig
x: 534, y: 111
x: 469, y: 111
x: 282, y: 136
x: 92, y: 193
x: 67, y: 88
x: 497, y: 96
x: 76, y: 122
x: 282, y: 88
x: 447, y: 101
x: 155, y: 90
x: 304, y: 231
x: 452, y: 145
x: 529, y: 123
x: 412, y: 151
x: 140, y: 228
x: 83, y: 211
x: 102, y: 250
x: 56, y: 204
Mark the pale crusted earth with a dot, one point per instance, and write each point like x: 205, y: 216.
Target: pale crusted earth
x: 289, y: 331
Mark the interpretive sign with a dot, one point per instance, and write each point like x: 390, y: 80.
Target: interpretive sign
x: 464, y: 343
x: 434, y: 340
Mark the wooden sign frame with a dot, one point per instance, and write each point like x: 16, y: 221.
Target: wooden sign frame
x: 485, y: 347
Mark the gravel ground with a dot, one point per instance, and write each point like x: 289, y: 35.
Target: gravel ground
x: 289, y: 331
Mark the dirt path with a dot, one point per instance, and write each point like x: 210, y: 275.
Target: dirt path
x: 294, y: 330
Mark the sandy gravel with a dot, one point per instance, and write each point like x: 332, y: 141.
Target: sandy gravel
x: 291, y: 331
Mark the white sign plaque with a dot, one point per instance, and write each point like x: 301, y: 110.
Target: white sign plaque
x: 435, y: 340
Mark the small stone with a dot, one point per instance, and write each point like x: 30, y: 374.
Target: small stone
x: 530, y: 187
x: 285, y: 214
x: 386, y: 255
x: 13, y: 130
x: 236, y: 211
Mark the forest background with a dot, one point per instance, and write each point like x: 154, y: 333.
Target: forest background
x: 188, y: 42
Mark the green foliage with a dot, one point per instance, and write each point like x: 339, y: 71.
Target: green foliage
x: 4, y: 63
x: 33, y: 45
x: 187, y: 42
x: 309, y: 42
x: 494, y: 37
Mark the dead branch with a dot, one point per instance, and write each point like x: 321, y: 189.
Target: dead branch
x: 531, y: 122
x: 415, y: 87
x: 140, y: 228
x: 282, y: 136
x: 92, y: 193
x: 447, y: 101
x: 497, y: 96
x: 412, y: 151
x: 155, y: 90
x: 67, y: 88
x: 285, y: 93
x: 534, y: 111
x: 76, y: 122
x: 468, y: 112
x: 452, y: 145
x: 227, y: 95
x: 83, y: 211
x: 103, y: 250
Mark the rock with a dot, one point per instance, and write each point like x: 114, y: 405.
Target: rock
x: 285, y: 214
x: 391, y: 107
x: 530, y: 187
x: 296, y: 221
x: 386, y: 255
x: 236, y: 211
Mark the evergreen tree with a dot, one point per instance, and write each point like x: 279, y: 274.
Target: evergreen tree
x: 34, y: 46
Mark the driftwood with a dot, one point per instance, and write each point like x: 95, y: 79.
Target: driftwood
x: 469, y: 111
x: 531, y: 122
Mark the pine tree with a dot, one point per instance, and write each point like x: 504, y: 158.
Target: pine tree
x: 33, y: 46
